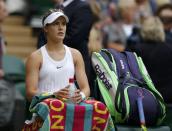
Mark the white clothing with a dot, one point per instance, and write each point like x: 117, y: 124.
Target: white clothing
x: 54, y: 75
x: 127, y: 29
x: 16, y: 6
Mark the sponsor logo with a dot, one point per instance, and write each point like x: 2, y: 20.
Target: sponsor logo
x: 122, y: 64
x: 58, y: 67
x: 102, y: 76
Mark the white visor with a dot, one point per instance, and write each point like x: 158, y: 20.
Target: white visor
x: 52, y: 17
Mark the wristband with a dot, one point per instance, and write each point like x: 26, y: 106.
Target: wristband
x: 82, y: 95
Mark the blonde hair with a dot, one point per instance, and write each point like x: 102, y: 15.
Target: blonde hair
x: 125, y: 7
x: 124, y: 4
x: 162, y: 2
x: 152, y: 29
x: 95, y: 41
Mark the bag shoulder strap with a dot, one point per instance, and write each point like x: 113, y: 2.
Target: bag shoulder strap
x: 123, y: 77
x: 134, y: 67
x: 107, y: 58
x: 120, y: 63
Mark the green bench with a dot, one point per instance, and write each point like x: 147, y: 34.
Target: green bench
x: 13, y: 68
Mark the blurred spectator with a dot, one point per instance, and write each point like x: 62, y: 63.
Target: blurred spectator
x: 113, y: 36
x: 162, y: 2
x: 152, y: 30
x: 164, y: 12
x: 127, y: 11
x: 156, y: 55
x: 145, y: 8
x: 36, y: 8
x: 20, y: 6
x: 103, y: 6
x: 116, y: 33
x: 3, y: 15
x: 95, y: 37
x: 135, y: 37
x: 113, y: 11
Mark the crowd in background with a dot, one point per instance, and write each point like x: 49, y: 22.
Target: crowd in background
x: 143, y: 26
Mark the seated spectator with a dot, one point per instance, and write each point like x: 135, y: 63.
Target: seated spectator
x: 19, y: 8
x: 3, y: 15
x: 95, y: 36
x: 113, y: 36
x: 127, y: 10
x: 164, y: 12
x: 36, y: 8
x: 146, y: 7
x: 113, y: 11
x: 117, y: 32
x: 156, y: 55
x: 163, y: 2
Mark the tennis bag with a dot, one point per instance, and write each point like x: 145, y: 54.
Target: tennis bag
x: 127, y: 88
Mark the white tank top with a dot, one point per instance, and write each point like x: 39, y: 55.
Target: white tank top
x: 54, y: 75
